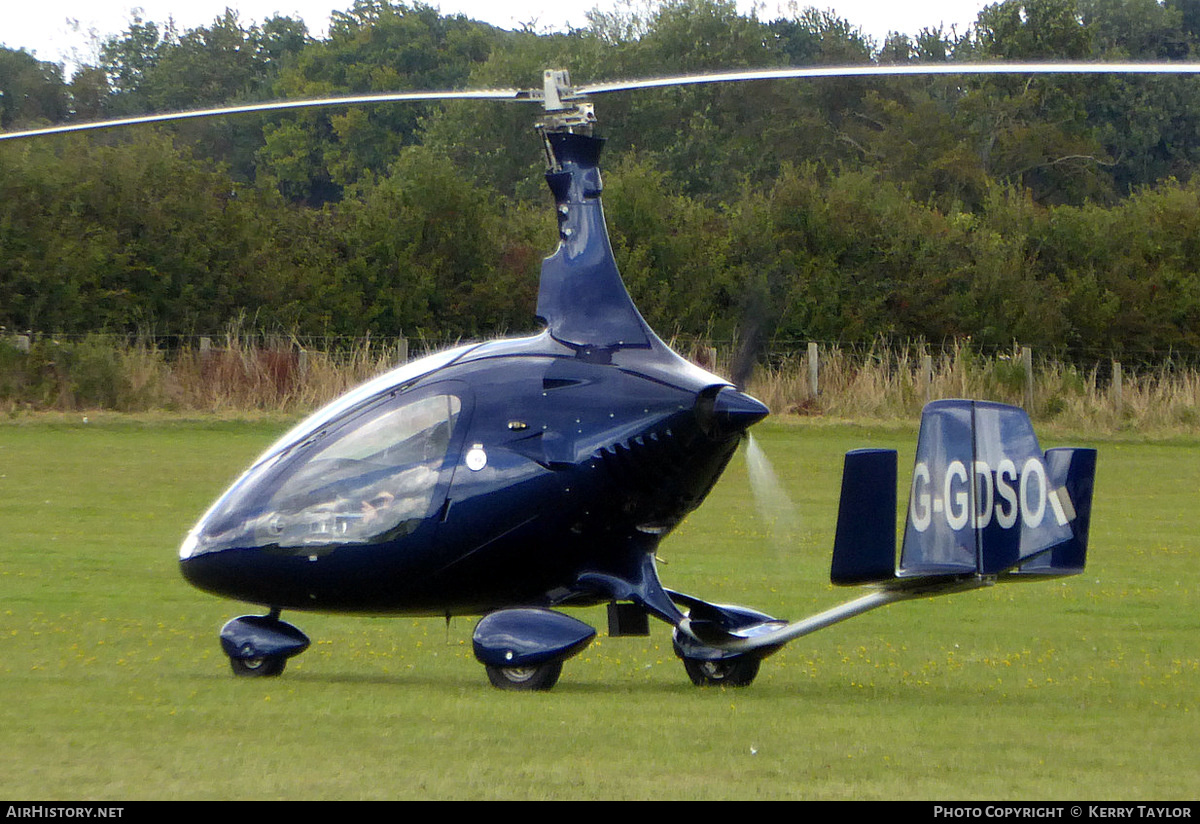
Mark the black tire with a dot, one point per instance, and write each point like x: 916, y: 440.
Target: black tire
x: 269, y: 666
x: 525, y: 679
x: 722, y: 672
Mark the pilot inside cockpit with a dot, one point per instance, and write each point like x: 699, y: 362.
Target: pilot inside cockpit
x: 374, y: 482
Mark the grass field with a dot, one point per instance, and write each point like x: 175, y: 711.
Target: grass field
x: 113, y: 686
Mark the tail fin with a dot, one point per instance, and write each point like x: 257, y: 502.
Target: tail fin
x: 864, y: 546
x: 1070, y: 472
x: 984, y: 501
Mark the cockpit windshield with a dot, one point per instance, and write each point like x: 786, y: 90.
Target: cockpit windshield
x: 371, y: 479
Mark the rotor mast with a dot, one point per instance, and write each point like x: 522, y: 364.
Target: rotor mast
x: 566, y: 112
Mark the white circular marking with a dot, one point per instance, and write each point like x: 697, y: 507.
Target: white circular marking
x: 476, y: 458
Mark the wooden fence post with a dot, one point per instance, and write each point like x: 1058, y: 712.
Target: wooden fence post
x: 1116, y: 390
x: 402, y: 350
x: 812, y: 368
x: 1027, y: 363
x: 927, y: 376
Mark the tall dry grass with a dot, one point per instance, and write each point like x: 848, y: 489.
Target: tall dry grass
x: 280, y: 376
x: 888, y: 382
x: 242, y: 372
x: 247, y: 372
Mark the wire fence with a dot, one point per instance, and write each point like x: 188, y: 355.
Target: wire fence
x: 254, y: 370
x: 775, y: 352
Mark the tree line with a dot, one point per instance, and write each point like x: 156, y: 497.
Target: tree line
x: 1058, y: 211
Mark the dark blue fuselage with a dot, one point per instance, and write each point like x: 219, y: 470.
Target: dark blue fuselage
x: 586, y: 464
x: 529, y: 471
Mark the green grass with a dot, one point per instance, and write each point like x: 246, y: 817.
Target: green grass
x: 113, y: 686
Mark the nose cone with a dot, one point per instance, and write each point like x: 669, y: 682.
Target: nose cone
x: 188, y: 563
x: 729, y: 413
x: 737, y: 411
x: 228, y: 572
x: 204, y: 570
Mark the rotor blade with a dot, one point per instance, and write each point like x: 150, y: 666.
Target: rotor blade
x: 871, y: 70
x: 535, y: 95
x: 279, y: 105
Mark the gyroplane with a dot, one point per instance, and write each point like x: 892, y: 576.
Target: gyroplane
x: 512, y: 478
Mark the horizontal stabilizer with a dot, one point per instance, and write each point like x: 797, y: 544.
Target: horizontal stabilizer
x: 986, y: 505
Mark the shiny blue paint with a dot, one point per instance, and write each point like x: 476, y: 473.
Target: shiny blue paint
x: 967, y: 434
x: 528, y: 637
x: 261, y: 636
x: 864, y: 549
x: 719, y: 620
x: 506, y: 477
x: 588, y: 466
x: 581, y: 298
x: 1072, y: 469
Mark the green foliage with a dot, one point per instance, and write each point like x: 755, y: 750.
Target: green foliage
x: 673, y: 252
x: 1054, y: 211
x: 152, y: 70
x: 376, y: 46
x: 1033, y: 29
x: 94, y: 372
x: 96, y: 236
x: 31, y: 91
x: 14, y: 378
x: 430, y: 254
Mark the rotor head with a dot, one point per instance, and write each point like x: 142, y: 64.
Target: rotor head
x: 566, y: 112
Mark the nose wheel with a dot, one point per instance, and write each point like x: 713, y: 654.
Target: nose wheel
x: 258, y: 646
x: 264, y: 666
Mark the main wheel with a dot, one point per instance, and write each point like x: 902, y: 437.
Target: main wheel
x: 268, y: 666
x: 729, y: 672
x: 540, y: 677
